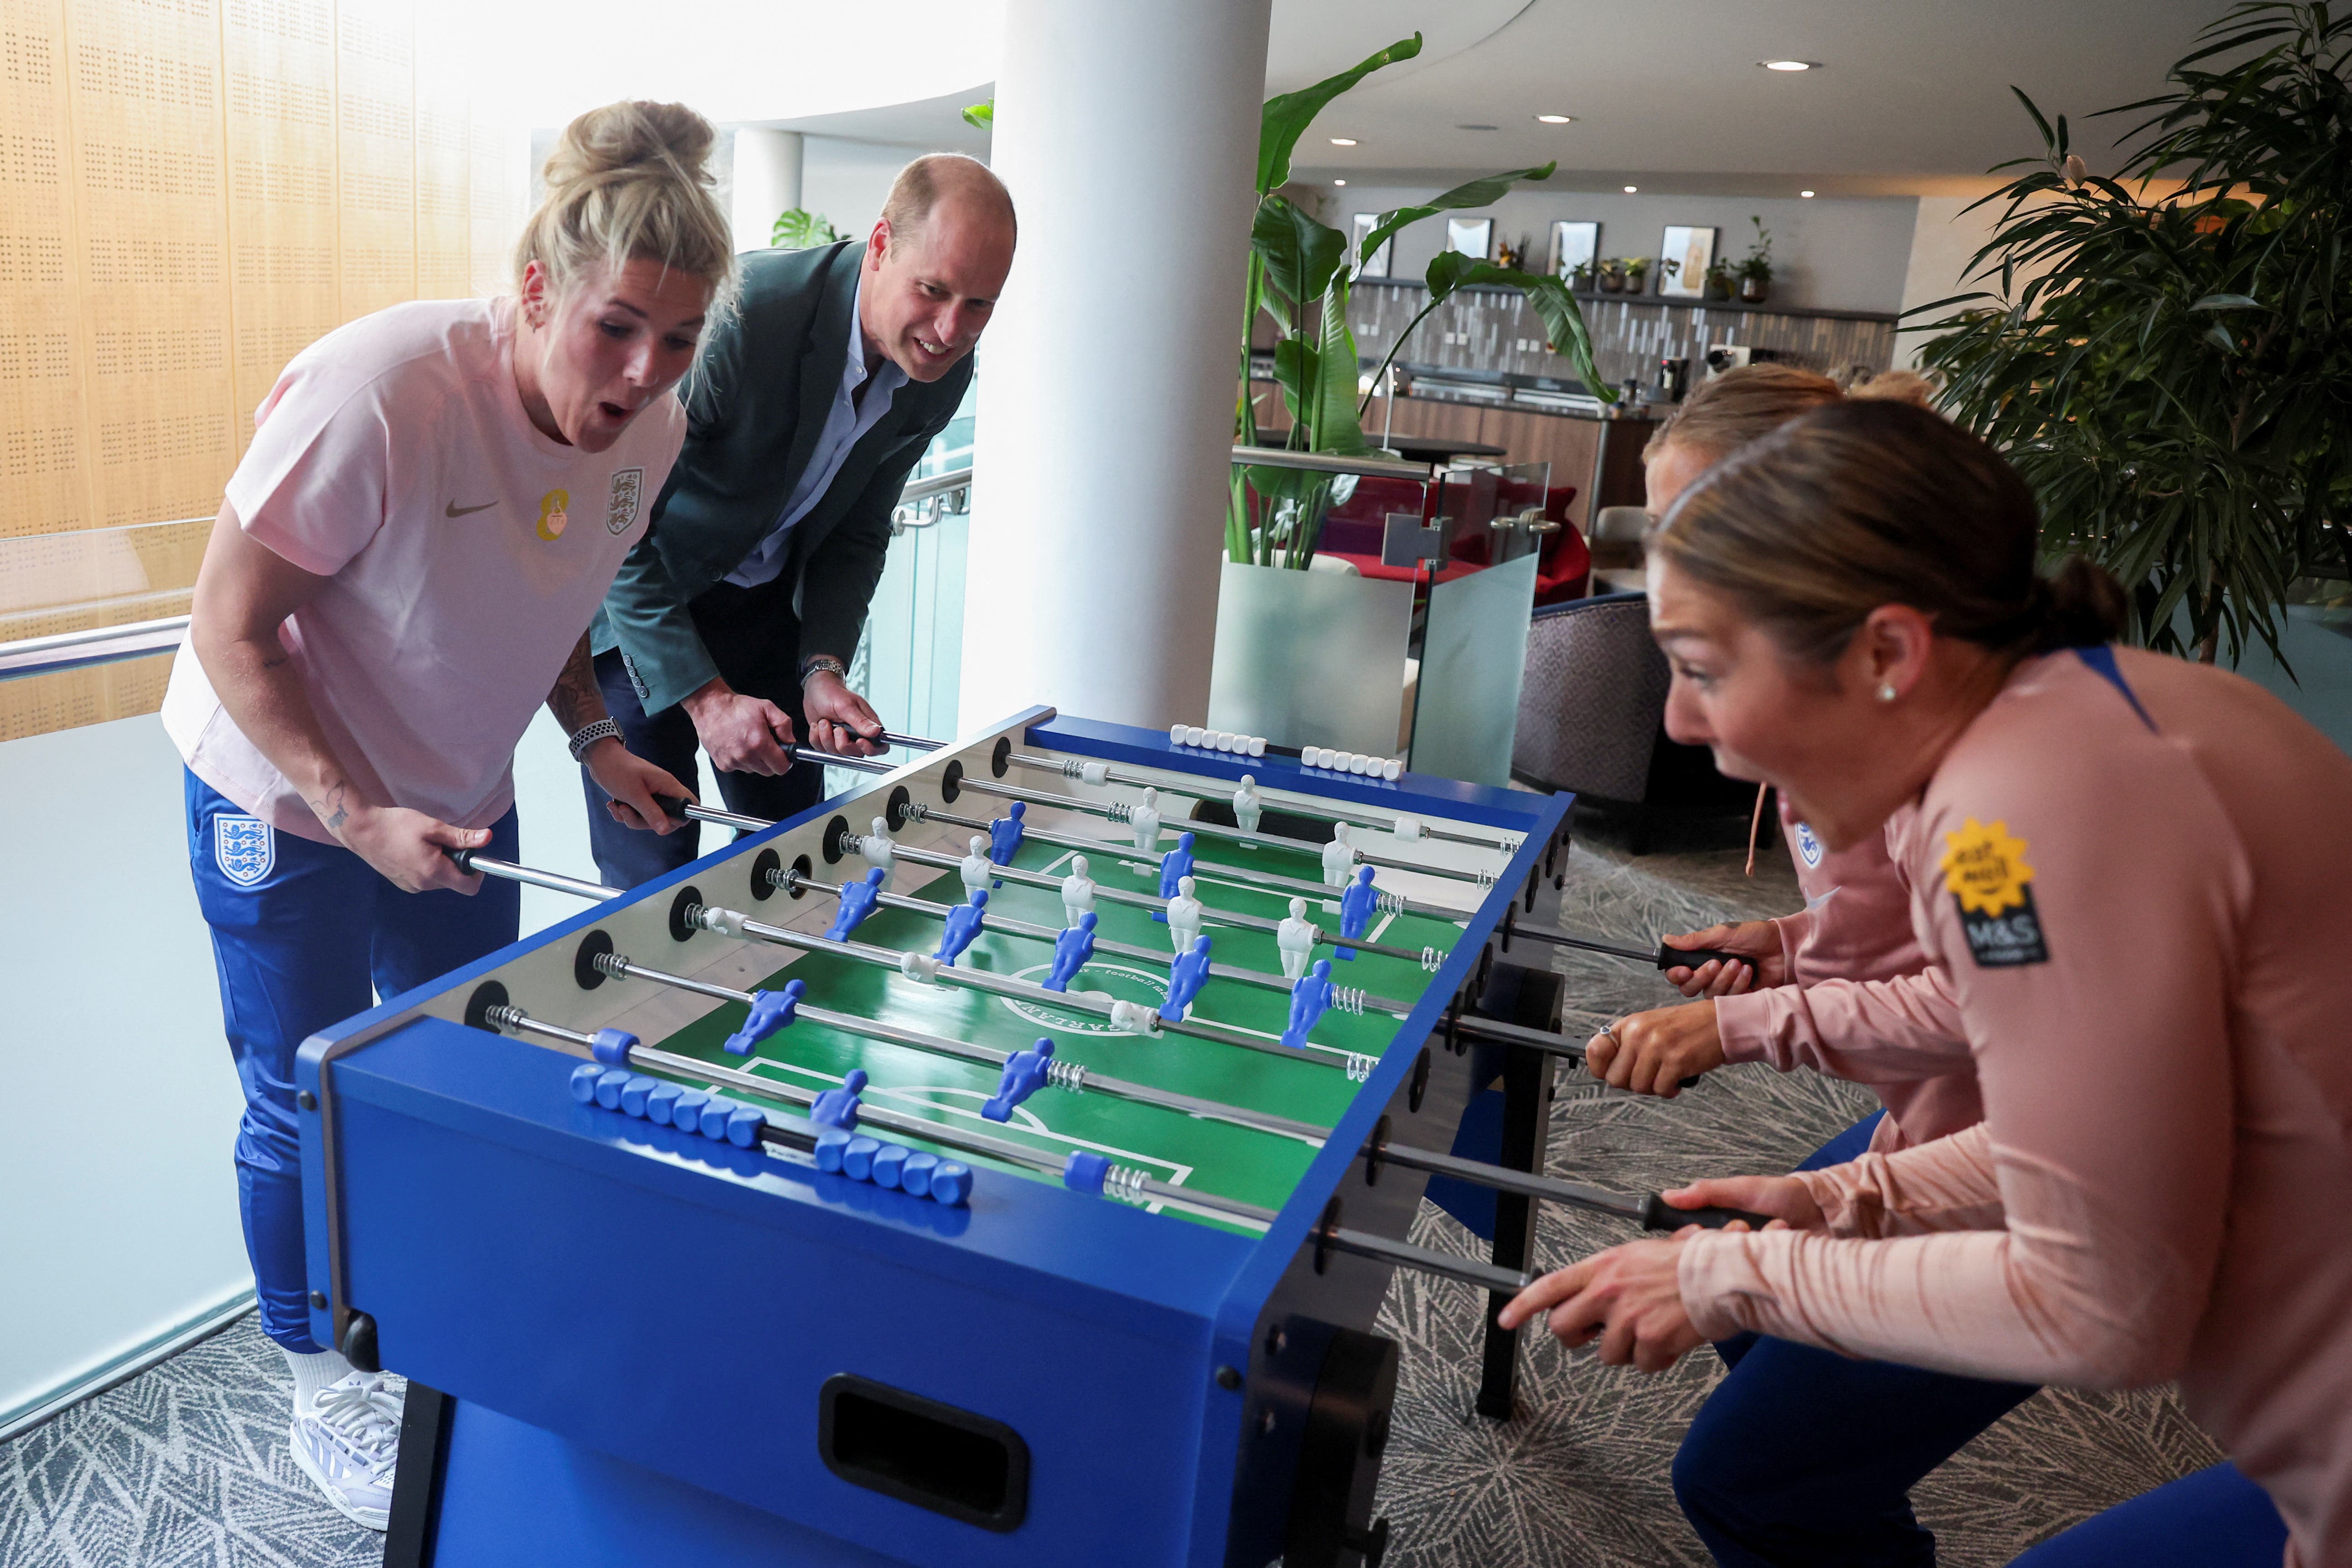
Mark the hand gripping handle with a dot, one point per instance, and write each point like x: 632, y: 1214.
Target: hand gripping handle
x: 1692, y: 957
x: 1657, y: 1214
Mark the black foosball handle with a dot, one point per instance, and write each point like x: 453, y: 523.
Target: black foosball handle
x: 1657, y: 1214
x: 1692, y: 957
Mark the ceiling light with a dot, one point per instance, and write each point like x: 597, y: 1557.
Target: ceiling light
x: 1630, y: 188
x: 1343, y: 182
x: 1807, y: 194
x: 1343, y: 141
x: 1790, y: 65
x: 1557, y: 119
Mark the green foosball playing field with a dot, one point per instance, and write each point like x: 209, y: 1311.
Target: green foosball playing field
x: 1235, y: 1161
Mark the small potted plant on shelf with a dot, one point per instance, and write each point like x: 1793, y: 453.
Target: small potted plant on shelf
x: 1637, y: 273
x: 1755, y: 268
x: 1613, y: 276
x: 1720, y: 279
x: 1580, y: 278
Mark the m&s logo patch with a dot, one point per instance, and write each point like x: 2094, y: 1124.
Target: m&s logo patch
x: 1992, y: 882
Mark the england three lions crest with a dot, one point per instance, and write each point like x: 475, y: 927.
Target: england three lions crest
x: 244, y: 848
x: 620, y: 505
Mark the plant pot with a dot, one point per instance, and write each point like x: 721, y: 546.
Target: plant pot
x: 1612, y: 283
x: 1755, y: 291
x: 1717, y: 291
x: 1637, y: 283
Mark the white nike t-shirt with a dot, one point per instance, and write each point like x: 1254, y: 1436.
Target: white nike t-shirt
x: 466, y: 551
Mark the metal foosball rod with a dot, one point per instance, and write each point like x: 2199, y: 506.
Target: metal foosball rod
x: 1665, y: 957
x: 1120, y: 812
x: 1273, y: 881
x: 1494, y: 1032
x: 1428, y: 958
x: 791, y: 881
x: 1084, y: 771
x: 1125, y: 1182
x: 1069, y: 1075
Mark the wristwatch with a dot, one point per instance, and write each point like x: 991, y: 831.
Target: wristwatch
x: 825, y: 662
x: 590, y: 735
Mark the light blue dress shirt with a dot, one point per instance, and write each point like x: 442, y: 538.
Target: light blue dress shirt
x: 845, y: 425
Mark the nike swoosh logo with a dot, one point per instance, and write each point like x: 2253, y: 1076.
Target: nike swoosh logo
x: 454, y: 510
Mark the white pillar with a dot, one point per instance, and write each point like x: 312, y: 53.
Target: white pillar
x: 1127, y: 135
x: 767, y: 181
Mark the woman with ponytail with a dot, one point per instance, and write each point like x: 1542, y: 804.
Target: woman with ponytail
x: 404, y: 568
x: 2130, y: 867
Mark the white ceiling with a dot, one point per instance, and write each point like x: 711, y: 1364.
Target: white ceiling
x: 1912, y: 96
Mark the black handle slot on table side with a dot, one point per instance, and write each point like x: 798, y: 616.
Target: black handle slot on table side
x: 918, y: 1450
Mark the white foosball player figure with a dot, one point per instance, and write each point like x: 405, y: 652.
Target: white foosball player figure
x: 1145, y: 819
x: 976, y: 869
x: 1247, y: 807
x: 878, y: 849
x: 1339, y: 857
x: 1294, y: 937
x: 1183, y: 916
x: 1077, y: 892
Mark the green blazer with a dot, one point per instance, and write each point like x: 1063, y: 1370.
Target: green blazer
x: 755, y: 406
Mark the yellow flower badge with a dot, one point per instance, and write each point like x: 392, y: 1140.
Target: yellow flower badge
x: 1992, y: 883
x: 553, y: 517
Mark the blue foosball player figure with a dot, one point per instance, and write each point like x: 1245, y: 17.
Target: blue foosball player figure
x: 1186, y: 976
x: 857, y: 901
x: 1072, y: 948
x: 1308, y: 999
x: 1024, y: 1073
x: 1004, y: 833
x: 1175, y: 865
x: 771, y: 1010
x: 1356, y: 907
x: 963, y: 926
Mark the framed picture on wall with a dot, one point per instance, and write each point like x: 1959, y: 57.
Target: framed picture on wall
x: 1573, y: 245
x: 1471, y: 237
x: 1377, y: 266
x: 1684, y: 256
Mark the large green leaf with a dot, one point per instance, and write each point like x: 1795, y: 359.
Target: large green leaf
x: 1301, y: 254
x: 1564, y: 324
x: 1336, y: 429
x: 1296, y: 363
x: 980, y: 116
x: 1286, y: 117
x: 1478, y: 192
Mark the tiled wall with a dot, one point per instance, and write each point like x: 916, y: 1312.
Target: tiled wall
x: 1497, y: 330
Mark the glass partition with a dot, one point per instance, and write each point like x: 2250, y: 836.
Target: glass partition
x: 1471, y: 660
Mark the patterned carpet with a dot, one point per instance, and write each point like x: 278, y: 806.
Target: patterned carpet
x: 186, y: 1466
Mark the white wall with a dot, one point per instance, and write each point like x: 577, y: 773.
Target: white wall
x: 117, y: 1102
x: 1829, y: 253
x: 846, y: 181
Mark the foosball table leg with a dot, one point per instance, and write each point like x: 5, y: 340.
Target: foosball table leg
x: 1532, y: 997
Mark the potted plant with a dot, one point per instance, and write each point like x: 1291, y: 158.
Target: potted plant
x: 1613, y: 276
x: 1637, y: 273
x: 1719, y: 279
x: 1580, y: 278
x: 1755, y: 268
x: 797, y: 229
x: 2169, y: 376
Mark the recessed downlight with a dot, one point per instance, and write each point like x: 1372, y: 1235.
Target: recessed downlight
x: 1556, y: 119
x: 1343, y: 141
x: 1630, y: 188
x: 1343, y: 182
x: 1807, y: 194
x: 1790, y: 65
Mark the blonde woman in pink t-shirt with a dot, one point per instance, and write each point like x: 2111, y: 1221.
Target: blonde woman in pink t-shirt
x: 404, y: 570
x: 2131, y: 868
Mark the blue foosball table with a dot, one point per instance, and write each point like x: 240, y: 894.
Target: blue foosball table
x: 1004, y: 1163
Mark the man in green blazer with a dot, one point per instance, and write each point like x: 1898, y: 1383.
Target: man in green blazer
x: 731, y: 624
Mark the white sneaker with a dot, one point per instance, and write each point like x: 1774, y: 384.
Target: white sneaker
x: 348, y: 1443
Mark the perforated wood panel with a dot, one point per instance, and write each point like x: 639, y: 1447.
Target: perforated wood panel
x: 191, y: 192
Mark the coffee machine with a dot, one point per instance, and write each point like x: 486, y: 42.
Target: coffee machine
x: 1674, y: 379
x: 1722, y: 357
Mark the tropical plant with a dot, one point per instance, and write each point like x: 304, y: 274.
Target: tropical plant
x: 797, y: 229
x: 1300, y: 272
x: 980, y: 116
x: 1756, y: 266
x: 1637, y: 272
x: 2170, y: 369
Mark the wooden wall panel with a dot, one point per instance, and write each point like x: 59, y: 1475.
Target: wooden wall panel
x: 191, y: 192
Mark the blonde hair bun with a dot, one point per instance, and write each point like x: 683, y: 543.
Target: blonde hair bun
x: 631, y: 135
x: 629, y: 180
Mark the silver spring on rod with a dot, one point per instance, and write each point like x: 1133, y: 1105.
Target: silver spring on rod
x: 501, y: 1017
x: 917, y: 812
x: 1432, y: 960
x: 1073, y: 769
x: 1070, y: 1075
x: 1388, y: 903
x: 1118, y: 811
x: 1347, y: 998
x: 611, y: 964
x: 1485, y: 879
x: 1125, y: 1184
x: 1359, y: 1067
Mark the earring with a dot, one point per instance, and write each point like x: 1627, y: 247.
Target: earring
x: 1886, y: 691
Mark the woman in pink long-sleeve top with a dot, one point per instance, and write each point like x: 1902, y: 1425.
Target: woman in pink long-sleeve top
x: 2132, y: 869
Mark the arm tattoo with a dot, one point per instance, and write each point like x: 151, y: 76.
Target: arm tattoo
x: 577, y: 701
x: 332, y: 810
